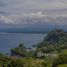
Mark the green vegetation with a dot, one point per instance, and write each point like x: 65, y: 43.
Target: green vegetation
x: 62, y: 65
x: 55, y: 41
x: 19, y: 51
x: 53, y: 50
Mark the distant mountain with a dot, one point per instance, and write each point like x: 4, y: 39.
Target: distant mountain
x: 31, y: 28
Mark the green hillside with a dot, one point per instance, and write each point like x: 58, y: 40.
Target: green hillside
x: 55, y: 40
x: 53, y: 53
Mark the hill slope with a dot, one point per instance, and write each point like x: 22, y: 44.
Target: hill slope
x: 55, y: 40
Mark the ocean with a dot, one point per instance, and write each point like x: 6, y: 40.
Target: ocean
x: 11, y: 40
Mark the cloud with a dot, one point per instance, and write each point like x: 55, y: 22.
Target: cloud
x: 5, y: 19
x: 33, y: 18
x: 34, y: 15
x: 30, y: 11
x: 19, y: 6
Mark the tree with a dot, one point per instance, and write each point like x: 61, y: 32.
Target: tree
x: 19, y: 51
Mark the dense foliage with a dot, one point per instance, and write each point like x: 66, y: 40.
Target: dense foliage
x: 19, y: 51
x: 55, y: 43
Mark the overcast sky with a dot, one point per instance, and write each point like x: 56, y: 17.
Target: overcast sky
x: 11, y: 10
x: 17, y: 6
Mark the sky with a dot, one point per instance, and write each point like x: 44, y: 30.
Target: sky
x: 22, y: 11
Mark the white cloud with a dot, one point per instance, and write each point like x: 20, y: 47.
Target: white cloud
x: 5, y: 19
x: 34, y: 15
x: 32, y: 18
x: 19, y: 6
x: 18, y: 11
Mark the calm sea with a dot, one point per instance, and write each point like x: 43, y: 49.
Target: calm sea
x: 11, y: 40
